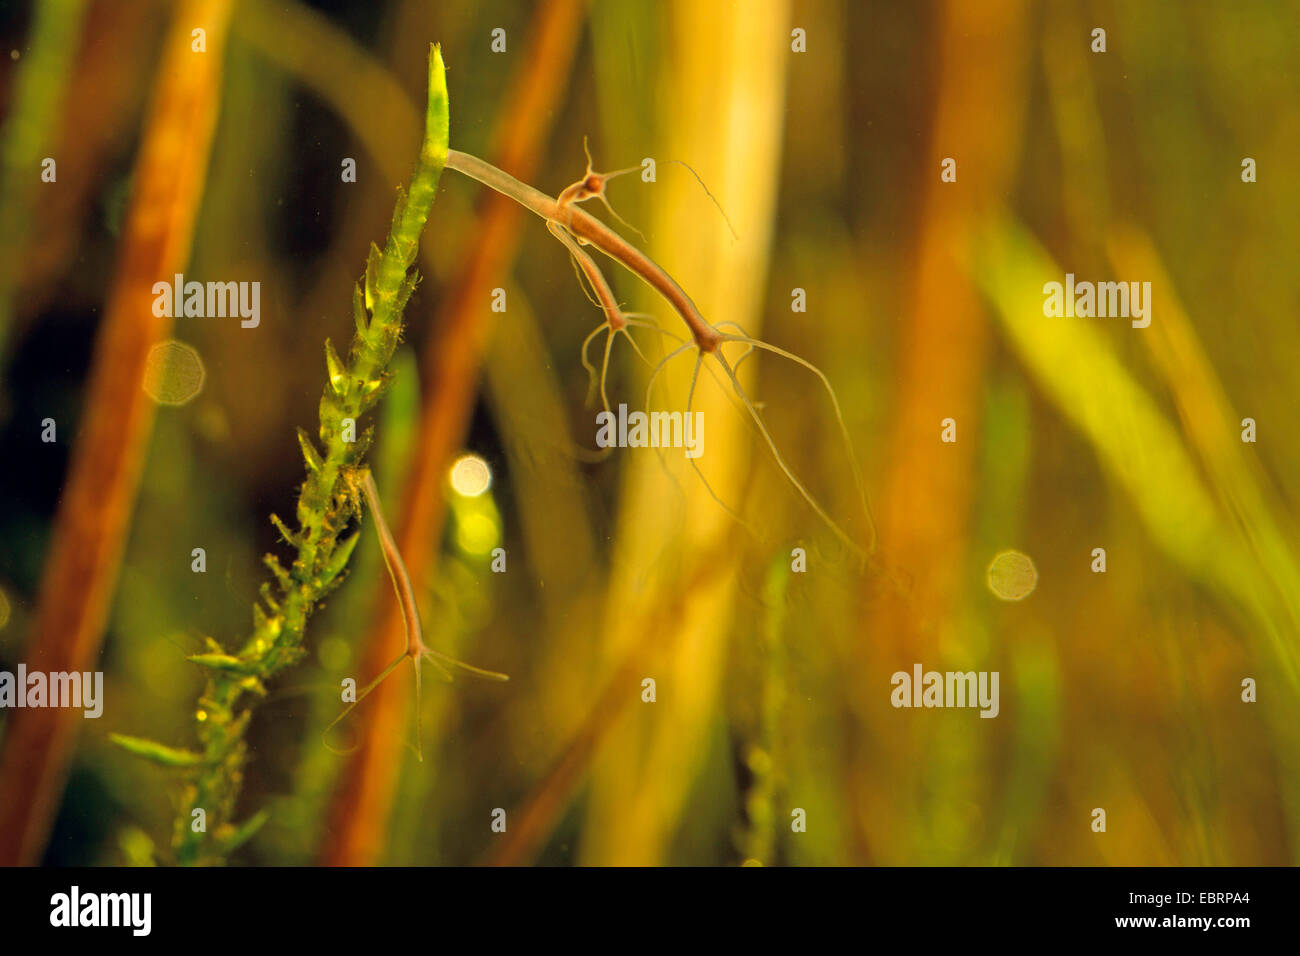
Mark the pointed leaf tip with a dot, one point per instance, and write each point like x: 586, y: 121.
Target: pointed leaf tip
x: 309, y: 453
x: 372, y: 277
x: 339, y: 559
x: 158, y: 753
x: 337, y: 370
x: 221, y: 662
x: 359, y: 311
x: 436, y: 119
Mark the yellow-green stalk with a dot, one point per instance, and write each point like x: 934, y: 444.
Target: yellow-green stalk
x: 326, y: 508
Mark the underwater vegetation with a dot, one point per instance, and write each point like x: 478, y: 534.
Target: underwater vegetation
x: 792, y: 433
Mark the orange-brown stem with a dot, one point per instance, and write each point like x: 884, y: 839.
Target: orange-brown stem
x: 587, y: 227
x: 595, y: 278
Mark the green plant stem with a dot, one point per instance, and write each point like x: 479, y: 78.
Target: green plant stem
x: 327, y: 504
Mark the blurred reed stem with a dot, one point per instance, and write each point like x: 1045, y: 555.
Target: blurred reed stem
x: 90, y: 528
x: 642, y: 776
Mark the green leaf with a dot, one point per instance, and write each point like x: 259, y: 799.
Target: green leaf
x: 309, y: 453
x: 359, y: 311
x: 372, y: 277
x: 231, y: 838
x: 338, y: 372
x: 339, y: 559
x: 399, y: 210
x: 253, y: 684
x: 283, y: 528
x: 268, y: 597
x: 1081, y: 372
x: 158, y: 753
x: 223, y: 662
x: 437, y: 118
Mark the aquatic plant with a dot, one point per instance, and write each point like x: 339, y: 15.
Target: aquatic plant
x: 327, y: 506
x: 339, y: 485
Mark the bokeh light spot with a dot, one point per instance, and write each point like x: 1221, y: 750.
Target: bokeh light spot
x: 470, y: 476
x: 1012, y: 576
x: 173, y: 373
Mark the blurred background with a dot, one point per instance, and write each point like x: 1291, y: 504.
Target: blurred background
x: 820, y: 128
